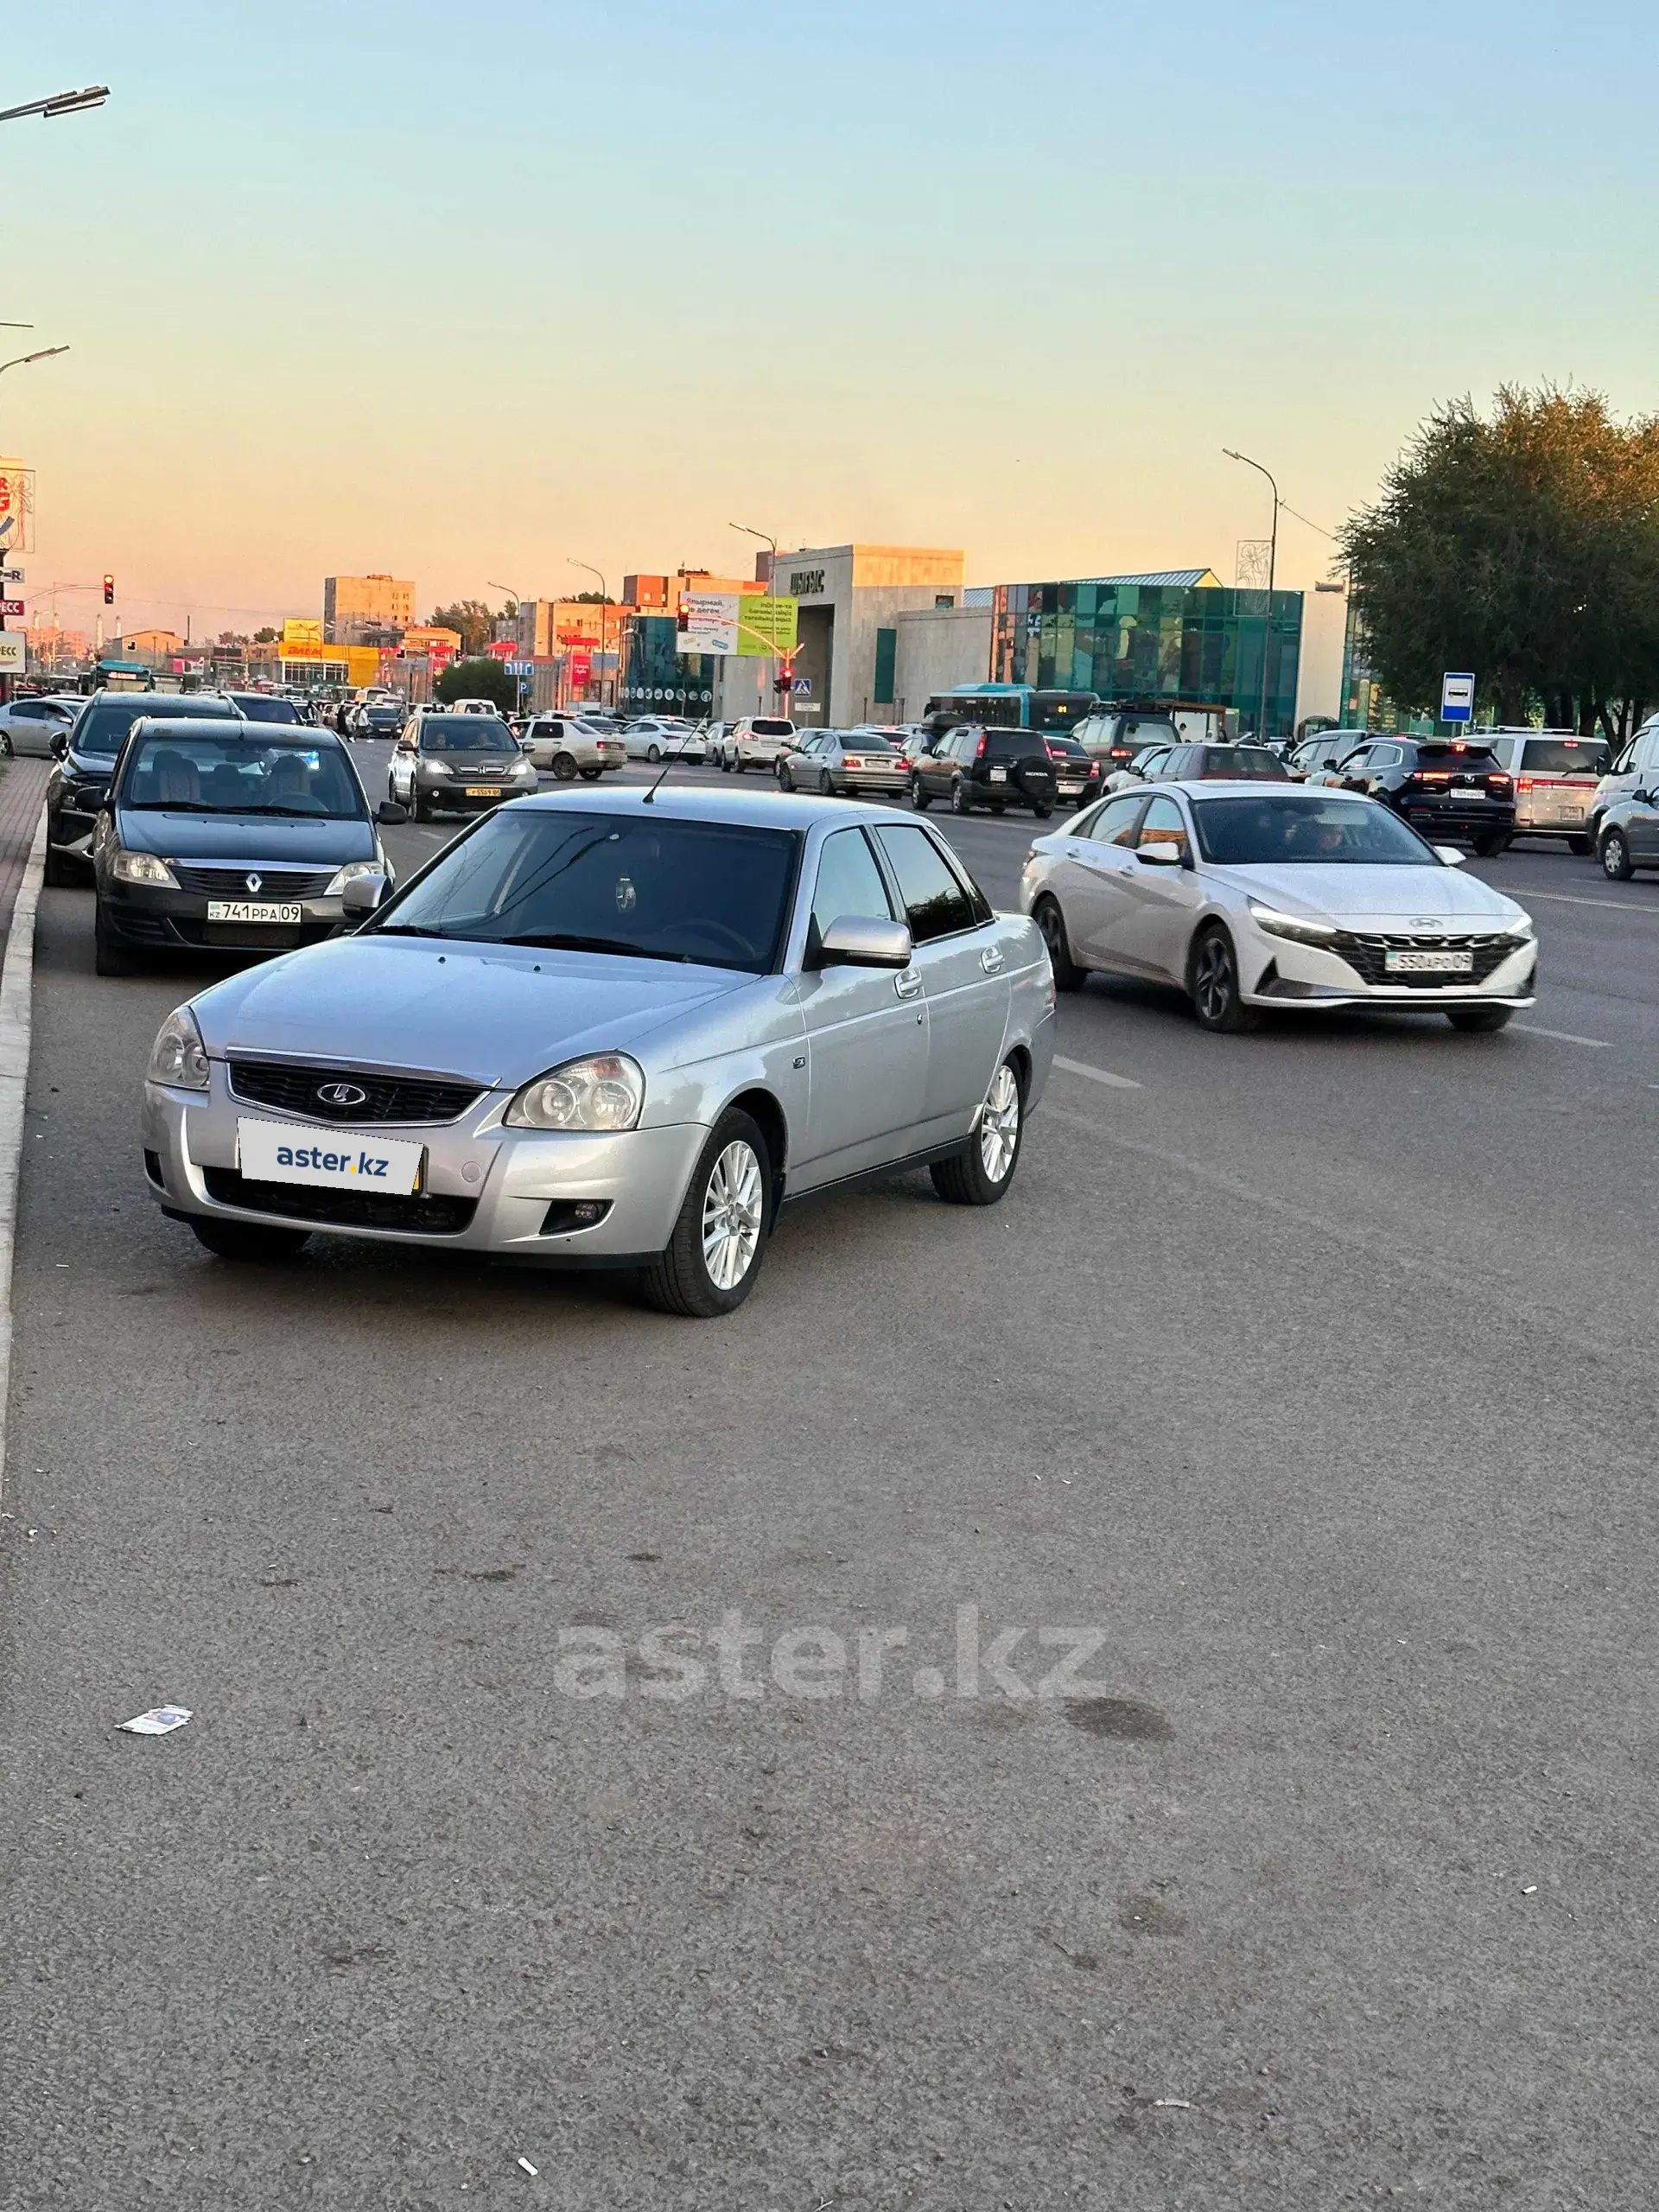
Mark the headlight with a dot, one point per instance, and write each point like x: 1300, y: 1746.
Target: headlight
x: 434, y: 768
x: 605, y: 1092
x: 1520, y: 929
x: 178, y: 1057
x: 143, y: 867
x: 1291, y: 925
x: 349, y: 873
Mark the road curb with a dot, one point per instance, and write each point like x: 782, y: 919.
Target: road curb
x: 16, y: 986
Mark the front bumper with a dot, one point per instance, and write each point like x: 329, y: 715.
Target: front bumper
x: 1280, y: 972
x: 492, y: 1187
x: 453, y: 795
x: 149, y: 917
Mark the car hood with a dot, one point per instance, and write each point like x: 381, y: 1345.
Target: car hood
x: 1359, y: 896
x: 498, y: 1014
x: 240, y: 837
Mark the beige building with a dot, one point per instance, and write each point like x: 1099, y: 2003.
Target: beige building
x: 353, y: 606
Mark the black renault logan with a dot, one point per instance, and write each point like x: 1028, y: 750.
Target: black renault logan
x: 232, y: 835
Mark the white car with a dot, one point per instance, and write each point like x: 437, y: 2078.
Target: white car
x: 662, y: 737
x: 755, y: 741
x: 28, y: 726
x: 1250, y: 895
x: 569, y: 748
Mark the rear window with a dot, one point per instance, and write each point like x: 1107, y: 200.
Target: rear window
x: 1480, y: 757
x: 1561, y: 756
x: 773, y: 729
x: 1014, y: 744
x: 1240, y: 761
x: 854, y: 743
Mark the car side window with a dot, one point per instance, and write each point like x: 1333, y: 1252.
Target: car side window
x: 1163, y: 825
x: 1115, y: 824
x: 849, y: 882
x: 936, y: 903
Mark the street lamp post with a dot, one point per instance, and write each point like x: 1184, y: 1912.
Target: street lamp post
x: 59, y: 103
x: 772, y: 593
x: 20, y: 361
x: 604, y: 602
x: 1273, y: 560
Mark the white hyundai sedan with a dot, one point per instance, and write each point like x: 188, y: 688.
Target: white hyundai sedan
x: 1253, y: 895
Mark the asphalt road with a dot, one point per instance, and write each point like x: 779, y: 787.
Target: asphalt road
x: 1311, y: 1370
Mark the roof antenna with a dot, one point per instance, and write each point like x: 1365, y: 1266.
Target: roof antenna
x: 658, y: 785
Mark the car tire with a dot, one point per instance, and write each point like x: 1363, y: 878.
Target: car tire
x: 918, y: 797
x: 785, y: 781
x: 249, y: 1240
x: 653, y: 753
x: 1042, y: 813
x: 982, y: 1175
x: 56, y: 873
x: 725, y: 766
x: 1068, y: 976
x: 110, y: 955
x: 1615, y: 857
x: 1490, y: 843
x: 735, y: 1161
x: 1581, y: 845
x: 1213, y: 985
x: 1479, y: 1020
x: 564, y: 768
x: 960, y: 802
x: 591, y: 775
x: 826, y: 785
x: 998, y: 809
x: 737, y: 765
x: 418, y: 808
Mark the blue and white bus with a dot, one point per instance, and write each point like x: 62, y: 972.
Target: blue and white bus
x: 1012, y: 706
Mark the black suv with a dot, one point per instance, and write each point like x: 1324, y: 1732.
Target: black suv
x: 76, y: 788
x: 998, y: 768
x: 1444, y: 787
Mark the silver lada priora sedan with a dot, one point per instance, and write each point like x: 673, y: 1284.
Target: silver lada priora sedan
x: 613, y: 1032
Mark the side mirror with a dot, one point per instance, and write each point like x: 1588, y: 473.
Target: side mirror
x: 362, y: 895
x: 525, y: 745
x: 391, y: 813
x: 1644, y: 797
x: 1449, y: 855
x: 1165, y: 854
x: 60, y: 746
x: 861, y: 941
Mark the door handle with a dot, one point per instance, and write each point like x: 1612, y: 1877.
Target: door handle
x: 991, y: 960
x: 908, y: 984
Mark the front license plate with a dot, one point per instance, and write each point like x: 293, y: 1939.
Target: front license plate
x: 338, y: 1159
x: 1428, y: 964
x: 255, y: 910
x: 482, y: 791
x: 999, y: 775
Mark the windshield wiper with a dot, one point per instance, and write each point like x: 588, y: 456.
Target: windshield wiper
x: 169, y: 806
x: 296, y: 813
x: 565, y: 941
x: 409, y: 928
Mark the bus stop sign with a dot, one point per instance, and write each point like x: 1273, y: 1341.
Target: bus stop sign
x: 1457, y: 697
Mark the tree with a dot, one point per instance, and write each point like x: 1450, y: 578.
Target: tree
x: 592, y: 599
x: 1524, y: 547
x: 474, y: 621
x: 478, y: 679
x: 264, y: 637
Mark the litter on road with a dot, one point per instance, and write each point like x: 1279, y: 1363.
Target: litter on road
x: 528, y: 2168
x: 160, y: 1720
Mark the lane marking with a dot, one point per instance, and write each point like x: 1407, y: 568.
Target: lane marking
x: 1613, y: 906
x: 17, y: 984
x: 1563, y: 1036
x: 1095, y: 1075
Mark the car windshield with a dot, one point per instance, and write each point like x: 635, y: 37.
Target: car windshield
x: 220, y: 772
x: 467, y: 734
x: 103, y: 725
x: 1249, y: 831
x: 712, y: 894
x: 260, y: 709
x: 1565, y: 756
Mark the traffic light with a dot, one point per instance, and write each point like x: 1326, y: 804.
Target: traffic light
x: 109, y: 591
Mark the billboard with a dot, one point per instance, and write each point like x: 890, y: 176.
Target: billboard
x: 300, y: 630
x: 710, y: 619
x: 17, y: 507
x: 767, y: 625
x: 11, y: 652
x: 362, y: 666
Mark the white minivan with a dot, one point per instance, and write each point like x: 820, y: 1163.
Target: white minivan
x: 1557, y: 775
x: 1635, y: 770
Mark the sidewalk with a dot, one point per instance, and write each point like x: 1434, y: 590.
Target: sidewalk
x: 22, y: 788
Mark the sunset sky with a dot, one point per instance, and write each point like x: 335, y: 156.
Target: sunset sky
x: 462, y: 293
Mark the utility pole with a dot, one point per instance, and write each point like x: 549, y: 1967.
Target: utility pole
x: 772, y: 593
x: 1273, y: 559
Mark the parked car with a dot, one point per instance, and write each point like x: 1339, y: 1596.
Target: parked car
x: 754, y: 741
x: 662, y: 737
x: 614, y: 1033
x: 263, y: 706
x: 968, y: 767
x: 569, y: 748
x: 842, y: 763
x: 226, y: 834
x: 1248, y: 895
x: 85, y: 755
x: 28, y: 726
x: 1636, y: 767
x: 1556, y: 774
x: 1198, y: 764
x: 1446, y: 788
x: 456, y: 764
x: 1078, y: 775
x: 1627, y: 837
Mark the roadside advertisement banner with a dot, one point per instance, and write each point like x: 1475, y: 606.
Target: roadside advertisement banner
x: 11, y: 652
x: 711, y: 620
x: 767, y: 626
x: 17, y: 507
x: 300, y: 629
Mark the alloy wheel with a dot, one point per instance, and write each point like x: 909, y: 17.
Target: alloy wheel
x: 1214, y: 984
x: 732, y: 1208
x: 999, y: 1125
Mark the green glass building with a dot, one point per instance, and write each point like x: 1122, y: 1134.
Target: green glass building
x: 1177, y: 635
